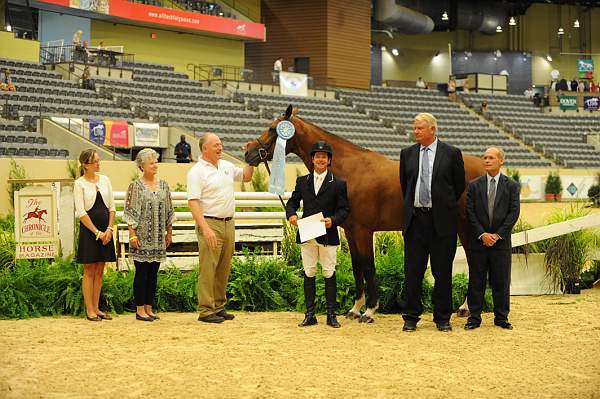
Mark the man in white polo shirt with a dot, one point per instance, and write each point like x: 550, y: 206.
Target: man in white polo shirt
x: 210, y: 185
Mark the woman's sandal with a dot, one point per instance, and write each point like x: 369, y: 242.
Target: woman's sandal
x: 105, y: 316
x: 95, y: 318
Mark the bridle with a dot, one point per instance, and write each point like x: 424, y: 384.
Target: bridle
x: 263, y: 153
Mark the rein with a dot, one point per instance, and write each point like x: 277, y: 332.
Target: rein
x: 263, y: 155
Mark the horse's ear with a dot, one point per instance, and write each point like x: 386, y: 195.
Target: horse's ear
x: 288, y: 111
x: 295, y: 111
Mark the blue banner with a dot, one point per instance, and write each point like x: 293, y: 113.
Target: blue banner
x: 585, y: 65
x: 591, y: 103
x: 97, y: 131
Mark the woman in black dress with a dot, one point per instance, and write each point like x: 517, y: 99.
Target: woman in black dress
x: 94, y: 205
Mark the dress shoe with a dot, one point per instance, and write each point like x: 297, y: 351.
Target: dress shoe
x: 309, y: 320
x: 409, y: 326
x: 444, y: 327
x: 504, y: 324
x: 211, y: 318
x: 471, y: 326
x: 143, y: 318
x: 227, y: 316
x: 94, y: 318
x: 332, y: 320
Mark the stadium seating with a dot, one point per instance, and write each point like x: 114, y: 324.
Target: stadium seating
x: 15, y: 141
x: 457, y: 126
x: 560, y: 137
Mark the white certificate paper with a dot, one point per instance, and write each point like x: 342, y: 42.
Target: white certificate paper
x: 311, y: 227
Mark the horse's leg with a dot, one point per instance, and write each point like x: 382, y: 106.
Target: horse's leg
x: 359, y: 281
x: 363, y: 239
x: 463, y: 233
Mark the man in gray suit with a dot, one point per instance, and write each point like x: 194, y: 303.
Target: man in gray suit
x: 493, y: 206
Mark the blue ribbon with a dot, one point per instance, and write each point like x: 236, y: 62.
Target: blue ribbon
x: 285, y: 131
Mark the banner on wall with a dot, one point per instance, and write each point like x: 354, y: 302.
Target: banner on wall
x: 117, y: 133
x: 97, y: 131
x: 146, y: 134
x: 591, y: 103
x: 293, y: 84
x: 36, y: 223
x: 568, y: 102
x: 118, y: 10
x: 576, y: 187
x: 532, y: 187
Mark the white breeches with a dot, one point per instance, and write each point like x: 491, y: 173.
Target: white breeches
x: 313, y: 252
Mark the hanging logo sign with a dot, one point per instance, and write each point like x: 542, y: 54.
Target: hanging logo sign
x: 591, y: 103
x: 36, y: 225
x: 568, y: 102
x: 285, y: 131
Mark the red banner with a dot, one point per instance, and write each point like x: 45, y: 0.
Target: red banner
x: 117, y: 133
x: 175, y: 18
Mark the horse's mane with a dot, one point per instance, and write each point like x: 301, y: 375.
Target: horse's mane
x: 333, y: 136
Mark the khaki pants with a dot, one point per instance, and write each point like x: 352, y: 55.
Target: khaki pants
x: 214, y: 267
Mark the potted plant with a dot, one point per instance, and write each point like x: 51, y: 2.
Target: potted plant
x: 553, y: 187
x: 568, y: 255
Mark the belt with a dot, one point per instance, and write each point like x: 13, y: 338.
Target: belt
x: 423, y: 209
x: 216, y: 218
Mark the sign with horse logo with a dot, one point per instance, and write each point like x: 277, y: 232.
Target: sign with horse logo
x: 36, y: 226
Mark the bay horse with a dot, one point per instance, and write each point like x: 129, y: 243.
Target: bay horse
x: 374, y: 192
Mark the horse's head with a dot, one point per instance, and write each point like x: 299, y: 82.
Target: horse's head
x: 261, y: 149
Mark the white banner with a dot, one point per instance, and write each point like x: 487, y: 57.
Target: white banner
x: 293, y: 84
x: 576, y: 187
x: 146, y: 134
x: 532, y: 187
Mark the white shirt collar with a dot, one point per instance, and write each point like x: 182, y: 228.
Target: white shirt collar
x: 432, y: 147
x: 321, y: 175
x: 497, y: 177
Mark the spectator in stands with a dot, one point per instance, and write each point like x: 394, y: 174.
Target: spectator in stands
x: 77, y: 48
x: 211, y: 201
x: 183, y: 151
x: 466, y: 86
x: 421, y: 83
x: 452, y: 89
x: 528, y: 92
x: 537, y: 100
x: 86, y: 80
x: 149, y: 215
x: 553, y: 85
x: 7, y: 83
x: 87, y: 54
x: 277, y: 68
x: 484, y: 107
x: 77, y: 38
x: 95, y: 207
x: 320, y: 192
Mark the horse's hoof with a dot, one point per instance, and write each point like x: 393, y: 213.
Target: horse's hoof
x: 351, y: 315
x: 365, y: 319
x: 463, y: 313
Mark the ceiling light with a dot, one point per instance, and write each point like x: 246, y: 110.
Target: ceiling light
x: 576, y: 24
x: 549, y: 58
x: 561, y: 31
x: 383, y: 48
x: 498, y: 29
x: 8, y: 28
x: 512, y: 21
x: 444, y: 16
x: 497, y: 53
x: 395, y: 52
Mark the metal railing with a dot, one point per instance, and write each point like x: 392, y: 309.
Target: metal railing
x: 106, y: 57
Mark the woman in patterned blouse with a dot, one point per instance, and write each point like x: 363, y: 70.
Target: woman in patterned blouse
x: 149, y: 214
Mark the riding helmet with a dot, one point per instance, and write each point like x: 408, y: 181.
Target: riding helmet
x: 321, y: 146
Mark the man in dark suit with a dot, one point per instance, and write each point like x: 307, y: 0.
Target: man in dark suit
x: 320, y: 191
x: 432, y: 178
x: 492, y: 209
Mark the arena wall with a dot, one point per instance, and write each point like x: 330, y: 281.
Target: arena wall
x: 19, y: 49
x: 169, y: 48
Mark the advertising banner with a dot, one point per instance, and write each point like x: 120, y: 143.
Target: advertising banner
x: 568, y: 102
x: 293, y: 84
x: 117, y: 133
x: 155, y: 15
x: 576, y: 187
x: 146, y: 134
x: 97, y: 131
x: 591, y: 103
x: 532, y: 187
x: 36, y: 224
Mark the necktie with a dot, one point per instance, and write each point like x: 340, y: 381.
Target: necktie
x: 491, y: 198
x: 424, y: 193
x: 318, y: 181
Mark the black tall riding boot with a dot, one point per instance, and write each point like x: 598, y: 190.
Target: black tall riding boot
x: 330, y: 296
x: 310, y: 290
